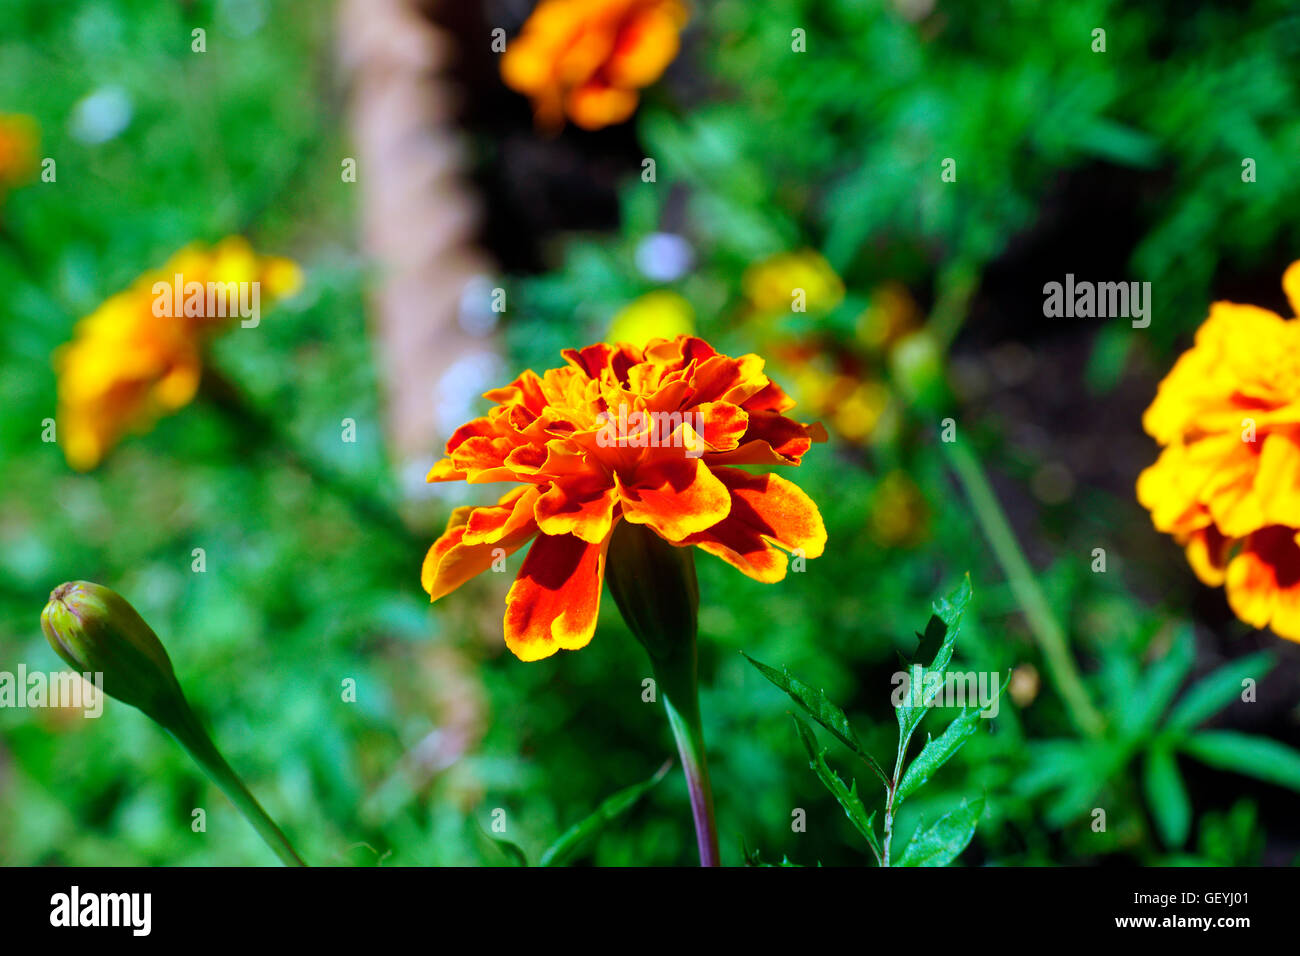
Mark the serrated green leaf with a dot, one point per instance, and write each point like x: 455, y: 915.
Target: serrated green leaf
x: 1167, y: 795
x: 940, y: 844
x: 1217, y: 690
x: 929, y: 643
x: 950, y: 609
x: 576, y: 837
x: 940, y: 750
x: 1159, y: 684
x: 754, y: 860
x: 948, y: 612
x: 1257, y: 757
x: 847, y: 796
x: 816, y: 705
x: 937, y: 752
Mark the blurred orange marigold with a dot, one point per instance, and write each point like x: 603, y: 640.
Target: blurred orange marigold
x: 131, y: 361
x: 690, y: 415
x: 1227, y: 484
x: 587, y: 59
x: 19, y: 138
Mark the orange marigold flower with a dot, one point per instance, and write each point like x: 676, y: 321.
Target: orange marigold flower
x: 623, y: 433
x: 588, y: 58
x: 140, y: 354
x: 1227, y: 483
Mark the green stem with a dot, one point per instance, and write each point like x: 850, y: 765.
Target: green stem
x: 1024, y: 585
x: 677, y: 683
x: 653, y: 583
x: 956, y: 286
x: 189, y: 733
x: 889, y: 824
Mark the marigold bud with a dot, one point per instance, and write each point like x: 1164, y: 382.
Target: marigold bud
x: 97, y: 631
x: 655, y: 588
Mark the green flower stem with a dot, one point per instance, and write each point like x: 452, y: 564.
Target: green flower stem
x: 653, y: 583
x: 189, y: 733
x: 1024, y: 585
x: 957, y: 283
x: 676, y: 677
x: 889, y: 821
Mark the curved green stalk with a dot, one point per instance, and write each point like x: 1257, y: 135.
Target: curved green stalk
x: 654, y: 585
x: 1024, y: 585
x: 677, y: 681
x: 188, y: 732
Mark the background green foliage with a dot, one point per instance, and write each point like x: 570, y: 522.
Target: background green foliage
x: 1123, y: 164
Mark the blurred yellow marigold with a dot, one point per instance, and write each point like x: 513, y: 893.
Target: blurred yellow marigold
x: 655, y: 315
x: 19, y: 138
x: 139, y: 355
x: 900, y: 515
x: 686, y: 415
x: 587, y: 59
x: 891, y: 315
x: 771, y: 285
x: 1227, y: 484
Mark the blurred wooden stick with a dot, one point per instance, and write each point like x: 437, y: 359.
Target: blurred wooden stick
x: 419, y: 223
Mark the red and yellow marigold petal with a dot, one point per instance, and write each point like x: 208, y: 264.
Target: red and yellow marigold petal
x: 1169, y: 489
x: 596, y: 105
x: 445, y: 470
x: 765, y: 510
x: 582, y: 506
x: 722, y: 425
x: 674, y: 496
x: 513, y: 513
x: 554, y: 603
x: 646, y: 45
x: 1207, y: 552
x: 1277, y: 480
x: 451, y: 562
x: 1263, y: 582
x: 771, y: 439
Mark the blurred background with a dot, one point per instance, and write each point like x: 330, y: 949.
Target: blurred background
x: 772, y: 168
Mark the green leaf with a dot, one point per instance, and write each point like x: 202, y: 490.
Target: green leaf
x: 576, y: 837
x: 937, y: 752
x: 1159, y: 684
x: 950, y: 609
x: 1168, y: 797
x: 950, y: 834
x: 1257, y: 757
x: 847, y: 796
x: 1217, y: 690
x: 816, y: 705
x: 753, y: 859
x: 1071, y: 773
x: 929, y: 643
x: 948, y: 613
x: 512, y: 852
x: 1118, y: 143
